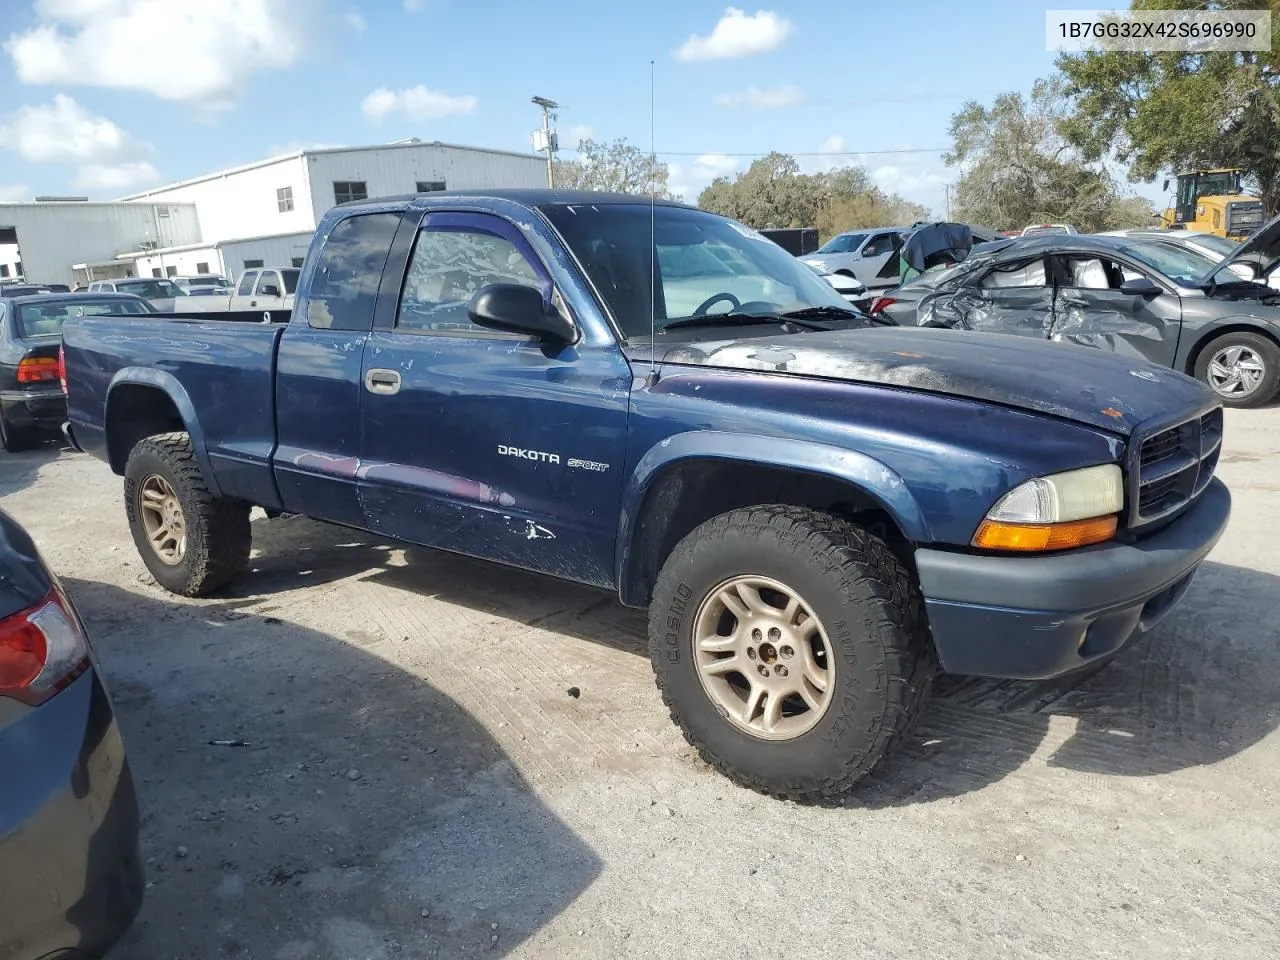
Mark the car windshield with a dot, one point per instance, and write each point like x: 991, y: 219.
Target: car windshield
x: 157, y: 289
x: 46, y: 319
x: 1219, y: 245
x: 844, y: 243
x: 1180, y: 264
x: 290, y: 280
x: 704, y: 264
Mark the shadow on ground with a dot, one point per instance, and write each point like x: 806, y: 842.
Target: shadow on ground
x: 1202, y: 686
x: 367, y: 816
x: 19, y: 470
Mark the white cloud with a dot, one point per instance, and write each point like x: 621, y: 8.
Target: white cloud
x: 62, y: 131
x: 687, y: 181
x: 833, y: 144
x: 578, y: 133
x: 190, y: 51
x: 355, y: 20
x: 99, y: 176
x: 738, y: 34
x: 416, y: 103
x: 14, y: 193
x: 413, y: 6
x: 754, y: 98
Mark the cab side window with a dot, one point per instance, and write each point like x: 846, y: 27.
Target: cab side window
x: 344, y: 285
x: 449, y: 266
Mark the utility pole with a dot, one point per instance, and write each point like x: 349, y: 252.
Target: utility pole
x: 548, y: 139
x: 948, y: 189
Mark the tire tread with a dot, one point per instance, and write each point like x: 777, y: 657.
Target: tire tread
x: 913, y: 663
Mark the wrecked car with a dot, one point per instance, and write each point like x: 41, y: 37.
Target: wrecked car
x: 817, y: 512
x: 1137, y: 297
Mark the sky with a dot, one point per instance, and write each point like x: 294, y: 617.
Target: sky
x: 106, y: 97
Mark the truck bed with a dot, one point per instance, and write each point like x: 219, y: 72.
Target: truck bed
x: 220, y: 375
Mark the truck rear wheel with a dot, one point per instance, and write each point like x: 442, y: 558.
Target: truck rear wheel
x: 791, y: 648
x: 192, y: 542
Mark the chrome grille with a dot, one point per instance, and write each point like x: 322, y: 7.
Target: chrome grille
x: 1174, y: 466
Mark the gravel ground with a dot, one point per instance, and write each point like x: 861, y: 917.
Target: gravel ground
x: 421, y: 781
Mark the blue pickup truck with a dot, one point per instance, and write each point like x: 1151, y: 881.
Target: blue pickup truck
x: 818, y: 511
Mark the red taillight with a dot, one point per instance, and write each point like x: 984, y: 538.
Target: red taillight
x: 879, y: 303
x: 42, y: 649
x: 62, y: 367
x: 37, y: 369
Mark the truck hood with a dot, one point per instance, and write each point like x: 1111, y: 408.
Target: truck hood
x: 1074, y: 383
x: 1262, y: 248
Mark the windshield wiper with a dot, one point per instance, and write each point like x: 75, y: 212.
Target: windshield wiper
x: 737, y: 320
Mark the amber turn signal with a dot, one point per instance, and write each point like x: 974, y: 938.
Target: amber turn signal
x: 1028, y: 537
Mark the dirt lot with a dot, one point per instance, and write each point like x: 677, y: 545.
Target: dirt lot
x: 419, y: 782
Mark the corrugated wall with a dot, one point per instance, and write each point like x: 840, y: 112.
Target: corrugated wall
x: 397, y: 169
x: 53, y: 236
x: 246, y: 203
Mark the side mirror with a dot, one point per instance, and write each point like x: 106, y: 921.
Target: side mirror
x: 269, y: 290
x: 515, y: 308
x: 1141, y: 287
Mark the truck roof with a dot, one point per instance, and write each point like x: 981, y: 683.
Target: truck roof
x: 530, y: 197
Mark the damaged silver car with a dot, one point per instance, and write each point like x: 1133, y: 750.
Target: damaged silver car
x: 1131, y: 296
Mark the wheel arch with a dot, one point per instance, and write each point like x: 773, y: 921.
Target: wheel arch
x: 690, y: 478
x: 141, y: 402
x: 1231, y: 325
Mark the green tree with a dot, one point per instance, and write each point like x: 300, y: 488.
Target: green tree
x: 1171, y: 112
x: 1018, y: 168
x: 618, y: 167
x: 773, y: 192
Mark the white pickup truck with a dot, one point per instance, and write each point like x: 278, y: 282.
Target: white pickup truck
x: 259, y: 289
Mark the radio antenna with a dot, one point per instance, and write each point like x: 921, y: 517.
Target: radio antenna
x: 653, y: 248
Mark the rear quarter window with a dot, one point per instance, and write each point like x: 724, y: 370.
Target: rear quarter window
x: 344, y: 286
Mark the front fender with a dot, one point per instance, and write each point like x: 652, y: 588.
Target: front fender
x: 1193, y: 341
x: 857, y: 469
x: 168, y: 384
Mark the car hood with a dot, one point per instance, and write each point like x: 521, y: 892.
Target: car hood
x: 1085, y: 386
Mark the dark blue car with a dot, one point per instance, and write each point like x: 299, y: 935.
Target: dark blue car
x: 32, y: 404
x: 70, y: 875
x: 663, y: 403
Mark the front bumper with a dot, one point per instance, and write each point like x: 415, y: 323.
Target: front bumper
x: 45, y: 407
x: 1037, y: 617
x: 70, y: 874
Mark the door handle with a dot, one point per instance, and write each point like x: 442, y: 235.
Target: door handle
x: 382, y: 381
x: 253, y: 303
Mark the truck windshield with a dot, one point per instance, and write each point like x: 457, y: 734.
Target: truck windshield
x: 46, y: 319
x: 703, y: 265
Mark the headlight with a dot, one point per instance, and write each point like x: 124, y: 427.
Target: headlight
x: 1065, y: 510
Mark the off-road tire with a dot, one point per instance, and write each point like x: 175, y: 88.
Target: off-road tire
x: 218, y: 534
x: 1261, y: 345
x: 876, y: 624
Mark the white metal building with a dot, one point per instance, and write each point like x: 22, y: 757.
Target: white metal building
x: 53, y: 236
x: 289, y: 194
x: 227, y: 258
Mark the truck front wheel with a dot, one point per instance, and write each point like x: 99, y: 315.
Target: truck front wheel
x: 791, y: 648
x: 192, y: 542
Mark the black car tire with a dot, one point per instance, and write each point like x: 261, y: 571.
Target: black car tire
x: 1262, y: 347
x: 15, y: 439
x: 218, y: 537
x: 872, y: 615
